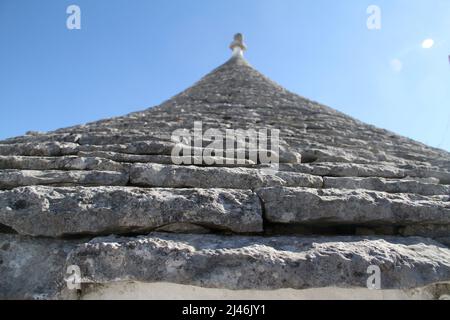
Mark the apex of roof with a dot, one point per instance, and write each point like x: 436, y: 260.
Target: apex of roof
x: 237, y: 46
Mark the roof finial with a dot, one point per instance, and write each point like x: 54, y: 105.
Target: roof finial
x: 238, y: 46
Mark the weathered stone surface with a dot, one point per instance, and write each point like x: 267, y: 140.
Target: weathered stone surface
x: 162, y: 159
x: 45, y: 149
x: 424, y: 172
x: 39, y: 137
x: 18, y: 178
x: 140, y: 147
x: 312, y: 206
x: 381, y: 184
x: 381, y: 170
x: 237, y: 96
x: 263, y: 263
x: 108, y: 138
x: 430, y: 180
x: 129, y: 158
x: 289, y: 156
x: 157, y: 175
x: 55, y: 212
x: 59, y: 163
x: 36, y: 268
x: 349, y: 154
x: 347, y: 170
x: 33, y: 268
x: 335, y: 155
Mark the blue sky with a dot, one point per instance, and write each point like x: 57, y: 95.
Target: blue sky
x: 131, y: 55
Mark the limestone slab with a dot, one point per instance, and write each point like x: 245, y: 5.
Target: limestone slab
x: 61, y: 211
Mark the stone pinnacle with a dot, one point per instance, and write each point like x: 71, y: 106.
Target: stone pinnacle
x: 238, y: 46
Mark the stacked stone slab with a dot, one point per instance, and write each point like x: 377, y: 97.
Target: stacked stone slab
x: 107, y: 197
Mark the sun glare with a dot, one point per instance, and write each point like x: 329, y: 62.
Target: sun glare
x: 428, y: 43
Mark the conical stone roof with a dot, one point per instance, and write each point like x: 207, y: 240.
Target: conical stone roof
x: 107, y: 197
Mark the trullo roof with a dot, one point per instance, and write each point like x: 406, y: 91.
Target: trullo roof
x: 107, y: 197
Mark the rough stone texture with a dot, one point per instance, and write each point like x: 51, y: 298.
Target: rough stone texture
x: 263, y: 263
x: 335, y: 206
x: 347, y: 170
x: 425, y: 172
x: 171, y: 176
x: 55, y: 212
x: 237, y: 96
x: 392, y: 186
x: 161, y: 159
x: 59, y: 163
x: 18, y: 178
x: 36, y: 268
x: 338, y: 176
x: 51, y: 149
x: 140, y: 147
x: 33, y: 268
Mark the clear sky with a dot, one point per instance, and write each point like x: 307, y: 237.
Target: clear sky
x: 133, y: 54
